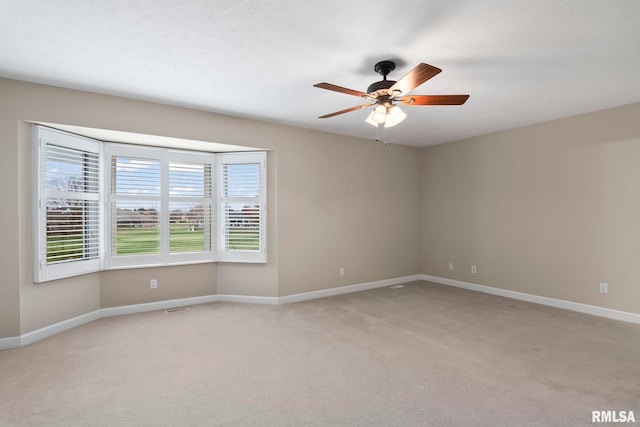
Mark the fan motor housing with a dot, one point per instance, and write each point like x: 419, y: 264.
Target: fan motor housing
x: 382, y: 85
x: 380, y: 88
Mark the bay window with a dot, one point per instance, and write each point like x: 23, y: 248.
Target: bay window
x: 111, y: 205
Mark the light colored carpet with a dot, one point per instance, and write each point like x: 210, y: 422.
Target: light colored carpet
x: 425, y: 354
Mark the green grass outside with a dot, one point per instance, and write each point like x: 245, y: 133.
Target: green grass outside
x: 141, y: 241
x: 138, y: 241
x: 246, y: 240
x: 64, y: 248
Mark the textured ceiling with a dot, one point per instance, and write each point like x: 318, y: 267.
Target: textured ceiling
x: 522, y: 62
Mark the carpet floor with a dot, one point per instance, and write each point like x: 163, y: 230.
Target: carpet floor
x: 422, y: 355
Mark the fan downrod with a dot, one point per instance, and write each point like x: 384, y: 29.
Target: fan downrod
x: 379, y: 89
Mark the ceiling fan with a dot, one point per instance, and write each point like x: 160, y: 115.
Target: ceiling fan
x: 386, y: 93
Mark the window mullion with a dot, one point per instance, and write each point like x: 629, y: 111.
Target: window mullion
x: 164, y: 207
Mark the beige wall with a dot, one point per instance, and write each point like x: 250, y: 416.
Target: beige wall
x: 347, y: 204
x: 550, y: 209
x: 131, y: 286
x: 333, y: 201
x: 59, y: 300
x: 9, y: 221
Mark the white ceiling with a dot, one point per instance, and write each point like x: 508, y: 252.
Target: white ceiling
x: 522, y: 62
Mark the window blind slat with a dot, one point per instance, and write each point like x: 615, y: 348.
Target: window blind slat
x: 135, y: 176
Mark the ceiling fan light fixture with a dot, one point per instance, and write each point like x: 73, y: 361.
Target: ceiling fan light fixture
x: 385, y: 92
x: 370, y: 119
x: 377, y: 116
x: 395, y: 116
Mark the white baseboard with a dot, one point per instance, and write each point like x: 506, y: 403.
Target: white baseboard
x: 10, y: 342
x: 247, y: 299
x: 323, y: 293
x: 56, y: 328
x: 47, y: 331
x: 158, y: 305
x: 552, y: 302
x: 65, y: 325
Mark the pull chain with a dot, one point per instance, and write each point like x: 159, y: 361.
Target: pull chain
x: 380, y: 126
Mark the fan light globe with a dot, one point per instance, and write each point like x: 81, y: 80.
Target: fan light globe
x: 395, y: 116
x: 370, y: 120
x: 377, y: 116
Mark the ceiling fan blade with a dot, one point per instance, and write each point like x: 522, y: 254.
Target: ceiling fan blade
x: 414, y: 78
x: 341, y: 89
x: 348, y: 110
x: 433, y: 99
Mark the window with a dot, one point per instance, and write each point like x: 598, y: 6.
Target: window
x: 161, y: 206
x: 135, y: 206
x: 106, y: 205
x: 190, y: 207
x: 68, y: 199
x: 242, y: 196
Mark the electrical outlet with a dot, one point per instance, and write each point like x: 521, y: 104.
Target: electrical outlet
x: 341, y: 272
x: 474, y: 269
x: 604, y: 288
x: 153, y: 284
x: 450, y: 266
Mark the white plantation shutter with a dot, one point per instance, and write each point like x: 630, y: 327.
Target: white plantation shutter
x: 68, y: 201
x: 136, y: 211
x: 242, y: 207
x: 190, y: 207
